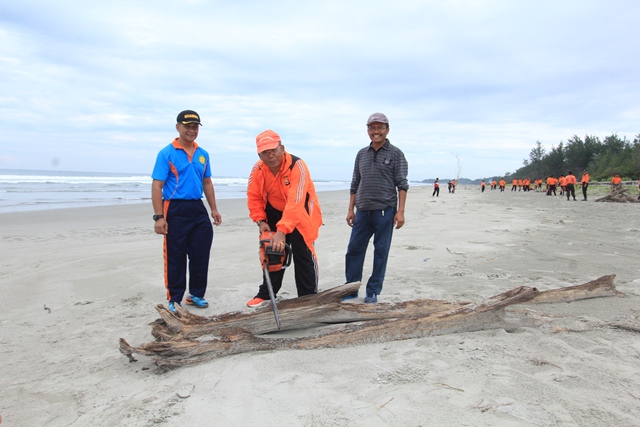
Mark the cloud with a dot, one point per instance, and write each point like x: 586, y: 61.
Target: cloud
x: 480, y: 80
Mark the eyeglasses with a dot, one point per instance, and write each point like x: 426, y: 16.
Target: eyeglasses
x: 269, y: 153
x: 376, y: 128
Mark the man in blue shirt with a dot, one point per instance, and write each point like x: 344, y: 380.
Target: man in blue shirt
x: 181, y: 175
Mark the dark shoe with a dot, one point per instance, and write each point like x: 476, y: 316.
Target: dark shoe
x: 371, y: 300
x: 350, y: 296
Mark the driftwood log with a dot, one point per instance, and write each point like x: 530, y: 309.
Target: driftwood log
x: 621, y: 195
x: 186, y: 338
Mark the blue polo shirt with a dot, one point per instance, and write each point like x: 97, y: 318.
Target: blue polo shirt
x: 182, y: 175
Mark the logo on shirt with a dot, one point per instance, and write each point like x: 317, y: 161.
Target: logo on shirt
x: 202, y: 160
x: 286, y: 180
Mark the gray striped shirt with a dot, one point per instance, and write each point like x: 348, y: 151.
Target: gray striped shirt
x: 378, y: 176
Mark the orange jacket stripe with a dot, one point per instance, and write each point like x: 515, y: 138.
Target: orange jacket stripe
x: 165, y: 259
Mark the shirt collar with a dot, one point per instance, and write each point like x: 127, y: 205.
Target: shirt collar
x: 385, y: 145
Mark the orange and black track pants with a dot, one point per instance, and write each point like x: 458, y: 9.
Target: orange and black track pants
x: 305, y: 262
x: 186, y: 245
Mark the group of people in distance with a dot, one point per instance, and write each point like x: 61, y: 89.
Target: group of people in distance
x: 281, y: 198
x: 451, y: 185
x: 565, y: 184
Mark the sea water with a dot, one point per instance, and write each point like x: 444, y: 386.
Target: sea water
x: 25, y: 190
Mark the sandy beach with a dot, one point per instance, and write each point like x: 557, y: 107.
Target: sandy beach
x: 74, y: 281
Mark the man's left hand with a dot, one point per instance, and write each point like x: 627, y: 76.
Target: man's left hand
x: 398, y: 220
x: 278, y: 241
x: 217, y: 218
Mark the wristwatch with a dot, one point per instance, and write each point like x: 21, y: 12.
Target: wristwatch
x: 260, y: 221
x: 157, y: 217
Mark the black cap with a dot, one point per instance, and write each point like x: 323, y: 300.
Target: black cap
x: 189, y: 116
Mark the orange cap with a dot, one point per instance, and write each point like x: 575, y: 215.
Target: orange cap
x: 267, y: 140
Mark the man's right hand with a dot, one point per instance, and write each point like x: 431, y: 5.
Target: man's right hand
x: 264, y: 226
x: 161, y: 226
x: 350, y: 217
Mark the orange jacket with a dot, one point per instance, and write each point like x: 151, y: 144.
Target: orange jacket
x: 563, y: 181
x: 291, y: 191
x: 503, y: 183
x: 570, y: 179
x: 551, y: 181
x: 585, y: 178
x: 616, y: 180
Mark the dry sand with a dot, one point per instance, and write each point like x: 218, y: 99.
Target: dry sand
x: 98, y: 272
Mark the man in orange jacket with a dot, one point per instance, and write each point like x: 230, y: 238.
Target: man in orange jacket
x: 585, y: 184
x: 616, y: 182
x: 570, y: 182
x: 282, y: 198
x: 562, y: 181
x: 551, y: 185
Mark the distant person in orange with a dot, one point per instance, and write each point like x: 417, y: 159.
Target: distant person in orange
x: 616, y: 182
x: 570, y: 183
x: 482, y: 186
x: 519, y: 185
x: 563, y: 184
x: 540, y: 184
x: 527, y: 184
x: 551, y: 185
x: 436, y: 188
x: 494, y: 184
x: 503, y: 183
x: 449, y: 185
x: 585, y: 184
x: 514, y: 185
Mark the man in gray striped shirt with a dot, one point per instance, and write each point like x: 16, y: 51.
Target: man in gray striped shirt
x: 378, y: 190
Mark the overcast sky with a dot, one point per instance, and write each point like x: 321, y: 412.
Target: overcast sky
x: 96, y: 85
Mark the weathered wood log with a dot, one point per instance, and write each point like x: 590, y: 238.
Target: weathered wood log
x: 298, y: 313
x: 620, y: 195
x: 600, y: 287
x: 234, y: 333
x: 472, y: 317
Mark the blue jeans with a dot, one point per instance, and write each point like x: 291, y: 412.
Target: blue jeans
x: 378, y: 223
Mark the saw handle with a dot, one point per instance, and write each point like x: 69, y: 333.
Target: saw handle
x: 278, y: 257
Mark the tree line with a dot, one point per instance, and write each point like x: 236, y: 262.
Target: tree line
x: 601, y: 158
